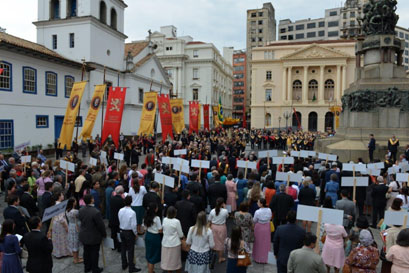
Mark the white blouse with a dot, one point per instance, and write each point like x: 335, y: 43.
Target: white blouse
x: 200, y: 243
x: 156, y: 226
x: 137, y: 198
x: 218, y: 219
x: 262, y: 215
x: 172, y: 232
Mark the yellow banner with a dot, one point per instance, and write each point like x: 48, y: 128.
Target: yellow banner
x: 148, y: 114
x: 178, y: 117
x: 96, y: 102
x: 337, y: 112
x: 216, y: 120
x: 71, y: 115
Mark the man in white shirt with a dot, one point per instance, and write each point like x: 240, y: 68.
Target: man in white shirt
x: 127, y: 225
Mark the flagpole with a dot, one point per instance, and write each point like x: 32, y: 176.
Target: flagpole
x: 103, y: 101
x: 79, y: 106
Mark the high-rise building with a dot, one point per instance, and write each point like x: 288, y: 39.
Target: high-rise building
x: 261, y: 30
x: 240, y: 85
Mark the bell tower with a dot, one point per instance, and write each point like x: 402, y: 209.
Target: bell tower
x: 83, y: 29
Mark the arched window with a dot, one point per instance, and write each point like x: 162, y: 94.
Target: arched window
x: 312, y: 121
x: 113, y: 19
x: 268, y: 120
x: 55, y: 9
x: 297, y: 120
x: 71, y: 8
x: 103, y: 12
x: 329, y: 121
x: 312, y: 90
x: 297, y: 90
x: 329, y: 89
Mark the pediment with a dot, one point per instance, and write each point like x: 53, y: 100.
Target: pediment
x: 268, y: 84
x: 195, y: 85
x: 315, y: 51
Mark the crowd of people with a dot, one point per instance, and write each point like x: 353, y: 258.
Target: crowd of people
x: 223, y: 214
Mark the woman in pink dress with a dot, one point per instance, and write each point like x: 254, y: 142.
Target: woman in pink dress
x: 231, y: 193
x: 399, y: 253
x: 333, y: 253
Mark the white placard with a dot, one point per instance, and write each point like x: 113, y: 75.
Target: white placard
x: 118, y: 156
x: 327, y: 157
x: 312, y: 153
x: 54, y: 210
x: 179, y: 161
x: 247, y: 164
x: 373, y: 172
x: 376, y: 166
x: 350, y: 167
x: 182, y: 168
x: 349, y: 181
x: 271, y: 258
x: 402, y: 177
x: 103, y: 160
x: 67, y: 165
x: 169, y: 181
x: 180, y: 152
x: 166, y: 160
x: 271, y: 153
x: 293, y: 177
x: 204, y: 164
x: 394, y: 169
x: 228, y: 207
x: 404, y: 166
x: 317, y: 166
x: 329, y: 216
x: 104, y: 154
x: 25, y: 159
x: 21, y: 146
x: 93, y: 161
x: 109, y: 242
x: 394, y: 218
x: 296, y: 153
x: 285, y: 160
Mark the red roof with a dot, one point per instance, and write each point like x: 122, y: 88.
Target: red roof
x: 195, y: 43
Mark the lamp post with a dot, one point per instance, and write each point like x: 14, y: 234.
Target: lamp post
x: 286, y: 115
x: 279, y: 124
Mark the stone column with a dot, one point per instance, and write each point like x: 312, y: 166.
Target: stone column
x: 321, y: 85
x: 284, y: 85
x: 304, y: 95
x: 290, y: 84
x: 344, y: 80
x: 358, y: 60
x: 337, y: 95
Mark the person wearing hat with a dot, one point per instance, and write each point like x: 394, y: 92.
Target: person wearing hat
x: 365, y: 257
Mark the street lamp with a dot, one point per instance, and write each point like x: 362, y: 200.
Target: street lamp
x: 286, y: 115
x: 279, y: 124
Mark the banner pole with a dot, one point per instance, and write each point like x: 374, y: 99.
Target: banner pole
x: 102, y: 106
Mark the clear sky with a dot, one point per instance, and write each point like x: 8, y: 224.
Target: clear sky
x: 222, y: 22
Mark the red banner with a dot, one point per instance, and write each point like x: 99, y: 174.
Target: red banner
x: 206, y: 116
x: 113, y: 116
x: 193, y: 116
x: 165, y: 116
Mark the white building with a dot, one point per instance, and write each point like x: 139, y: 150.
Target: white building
x: 37, y: 77
x: 196, y: 69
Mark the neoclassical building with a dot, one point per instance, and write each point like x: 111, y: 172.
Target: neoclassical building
x: 306, y: 78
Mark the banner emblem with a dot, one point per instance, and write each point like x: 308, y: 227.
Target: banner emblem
x: 74, y: 102
x: 115, y: 103
x: 95, y: 103
x: 150, y: 105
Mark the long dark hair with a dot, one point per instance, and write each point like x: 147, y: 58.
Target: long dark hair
x: 70, y: 204
x: 219, y: 203
x: 7, y: 228
x: 150, y: 214
x: 136, y: 187
x: 235, y: 240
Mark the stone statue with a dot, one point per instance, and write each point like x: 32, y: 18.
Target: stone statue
x: 380, y: 17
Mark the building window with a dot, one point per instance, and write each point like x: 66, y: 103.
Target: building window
x: 312, y: 90
x: 321, y: 24
x: 239, y: 68
x: 239, y: 92
x: 140, y: 91
x: 406, y: 60
x: 253, y: 23
x: 195, y: 53
x: 297, y: 90
x: 169, y: 72
x: 268, y: 75
x: 299, y: 36
x: 41, y: 121
x: 352, y: 14
x: 114, y: 18
x: 290, y: 28
x: 282, y: 30
x: 103, y: 12
x: 195, y: 73
x: 268, y: 94
x: 238, y: 99
x: 406, y: 36
x: 345, y: 16
x: 29, y: 80
x: 333, y: 24
x: 268, y: 55
x: 268, y: 120
x: 321, y: 33
x: 195, y: 94
x: 401, y: 35
x: 260, y: 14
x: 260, y: 39
x: 109, y: 85
x: 260, y: 22
x: 51, y: 84
x: 78, y: 122
x: 238, y: 76
x: 238, y: 60
x: 253, y: 14
x: 6, y: 76
x: 238, y: 83
x: 352, y: 23
x: 299, y: 27
x: 260, y: 30
x: 69, y: 83
x: 169, y: 48
x: 311, y: 34
x: 253, y: 40
x: 54, y: 41
x: 332, y: 33
x: 55, y: 9
x: 311, y: 25
x: 6, y: 134
x: 283, y: 37
x: 290, y: 37
x: 72, y: 40
x: 333, y: 13
x: 71, y: 8
x: 329, y: 90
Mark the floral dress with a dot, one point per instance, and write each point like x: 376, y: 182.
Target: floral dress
x: 73, y: 230
x: 363, y: 259
x: 245, y: 222
x: 60, y: 236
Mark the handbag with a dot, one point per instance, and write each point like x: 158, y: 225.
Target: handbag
x: 243, y: 259
x: 272, y: 228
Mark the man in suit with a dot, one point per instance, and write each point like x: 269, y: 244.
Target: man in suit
x: 92, y: 231
x: 349, y: 210
x: 287, y: 238
x: 117, y: 203
x: 27, y: 201
x: 39, y: 248
x: 378, y: 195
x: 186, y: 212
x: 12, y: 212
x: 280, y: 205
x: 305, y: 259
x: 153, y: 197
x: 215, y: 191
x: 371, y: 146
